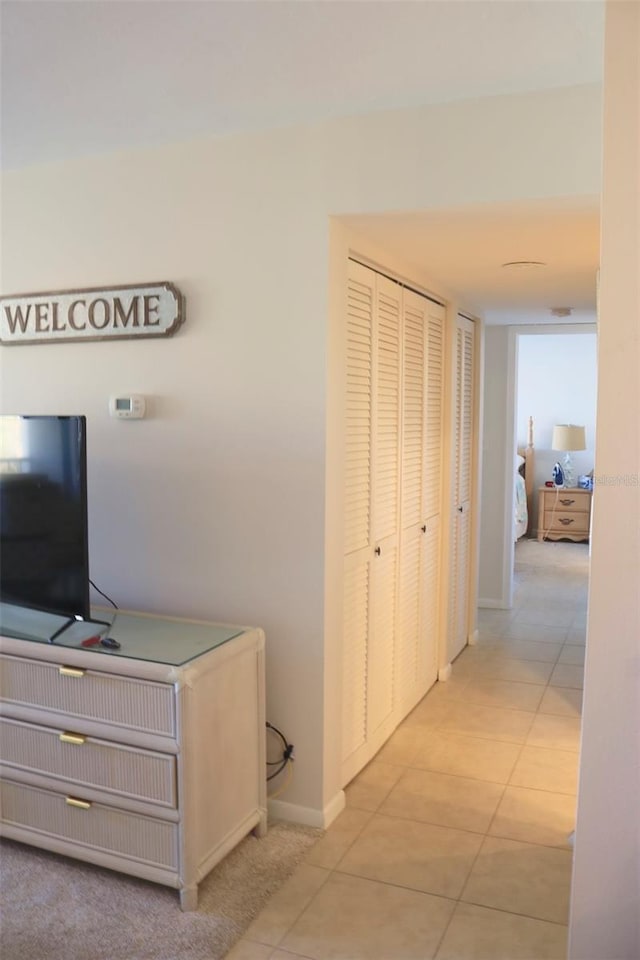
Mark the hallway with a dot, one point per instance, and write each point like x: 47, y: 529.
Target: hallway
x: 453, y: 844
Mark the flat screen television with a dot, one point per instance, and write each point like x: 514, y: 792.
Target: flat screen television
x: 44, y: 551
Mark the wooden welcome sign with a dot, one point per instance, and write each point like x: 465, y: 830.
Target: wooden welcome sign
x: 96, y: 313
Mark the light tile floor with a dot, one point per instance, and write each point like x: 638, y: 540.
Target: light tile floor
x: 453, y: 844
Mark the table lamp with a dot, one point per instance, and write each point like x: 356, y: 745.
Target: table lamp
x: 567, y: 437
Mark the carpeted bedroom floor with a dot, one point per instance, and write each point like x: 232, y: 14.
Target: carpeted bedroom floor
x: 54, y: 908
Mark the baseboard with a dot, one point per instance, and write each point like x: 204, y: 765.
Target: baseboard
x: 308, y: 816
x: 444, y: 673
x: 490, y: 603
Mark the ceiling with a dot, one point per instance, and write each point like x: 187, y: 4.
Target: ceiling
x: 83, y: 77
x: 465, y: 249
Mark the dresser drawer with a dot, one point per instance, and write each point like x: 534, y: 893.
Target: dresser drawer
x: 87, y: 761
x: 95, y: 826
x: 141, y: 705
x: 567, y: 502
x: 557, y: 522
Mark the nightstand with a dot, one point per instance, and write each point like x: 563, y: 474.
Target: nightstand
x: 564, y: 513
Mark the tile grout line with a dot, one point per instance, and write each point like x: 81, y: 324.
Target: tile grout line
x: 536, y: 714
x: 484, y: 836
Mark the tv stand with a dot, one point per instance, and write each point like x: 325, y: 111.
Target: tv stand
x: 34, y: 623
x: 149, y: 759
x: 73, y: 620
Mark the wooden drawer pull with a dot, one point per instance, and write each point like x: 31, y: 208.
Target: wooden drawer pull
x: 71, y: 672
x: 80, y: 804
x: 72, y: 738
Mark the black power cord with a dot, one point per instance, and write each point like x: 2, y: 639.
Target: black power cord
x: 287, y: 753
x: 98, y: 590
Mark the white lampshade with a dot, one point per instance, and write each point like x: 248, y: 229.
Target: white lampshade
x: 566, y: 436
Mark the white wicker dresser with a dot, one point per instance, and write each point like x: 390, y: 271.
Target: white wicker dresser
x: 149, y: 759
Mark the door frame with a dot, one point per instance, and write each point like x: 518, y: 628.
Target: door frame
x: 454, y: 310
x: 511, y: 436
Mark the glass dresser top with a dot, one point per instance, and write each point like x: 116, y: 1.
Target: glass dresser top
x: 141, y: 636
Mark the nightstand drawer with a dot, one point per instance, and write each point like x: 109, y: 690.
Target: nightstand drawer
x: 564, y: 514
x: 556, y: 522
x: 80, y: 761
x: 568, y: 502
x: 90, y: 825
x: 141, y: 705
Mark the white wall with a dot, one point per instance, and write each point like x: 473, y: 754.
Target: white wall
x: 494, y: 578
x: 215, y: 505
x: 556, y: 383
x: 605, y: 920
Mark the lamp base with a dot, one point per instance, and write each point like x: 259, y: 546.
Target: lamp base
x: 567, y: 469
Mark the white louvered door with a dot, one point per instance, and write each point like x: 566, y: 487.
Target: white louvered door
x: 460, y: 558
x: 385, y: 499
x: 372, y: 497
x: 394, y: 382
x: 358, y: 549
x: 417, y: 634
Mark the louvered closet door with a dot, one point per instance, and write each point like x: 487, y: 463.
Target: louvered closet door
x: 385, y: 500
x: 357, y: 510
x: 461, y: 488
x: 372, y: 496
x: 417, y: 634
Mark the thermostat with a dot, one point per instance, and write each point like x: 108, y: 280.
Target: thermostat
x: 127, y: 408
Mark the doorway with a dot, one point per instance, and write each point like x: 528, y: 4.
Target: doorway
x: 555, y: 383
x: 504, y: 429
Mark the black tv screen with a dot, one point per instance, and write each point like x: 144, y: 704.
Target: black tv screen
x: 44, y: 553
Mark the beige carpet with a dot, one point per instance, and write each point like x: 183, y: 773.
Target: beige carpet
x: 53, y: 908
x: 552, y: 553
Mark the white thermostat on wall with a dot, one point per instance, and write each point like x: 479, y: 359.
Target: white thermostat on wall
x: 127, y: 408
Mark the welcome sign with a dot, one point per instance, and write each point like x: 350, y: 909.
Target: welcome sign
x: 153, y: 310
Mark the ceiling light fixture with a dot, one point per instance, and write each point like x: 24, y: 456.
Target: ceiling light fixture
x: 524, y: 264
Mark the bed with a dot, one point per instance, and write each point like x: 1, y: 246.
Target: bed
x: 524, y: 483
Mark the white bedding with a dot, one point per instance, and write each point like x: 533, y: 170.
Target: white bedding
x: 521, y: 518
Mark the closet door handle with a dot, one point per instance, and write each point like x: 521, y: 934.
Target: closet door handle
x: 377, y: 551
x: 424, y: 528
x: 460, y: 509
